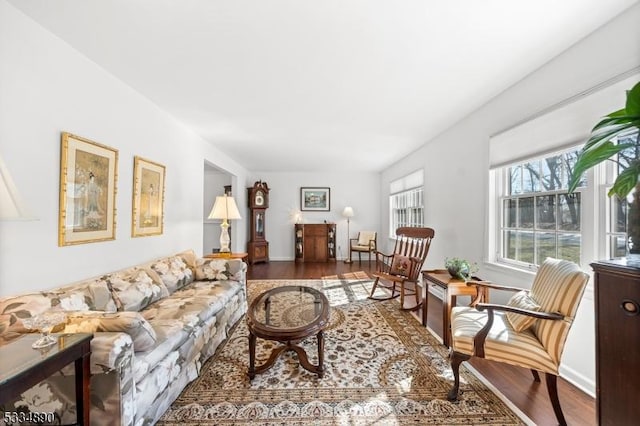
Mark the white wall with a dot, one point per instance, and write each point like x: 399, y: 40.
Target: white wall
x: 47, y: 87
x: 456, y: 166
x: 359, y: 190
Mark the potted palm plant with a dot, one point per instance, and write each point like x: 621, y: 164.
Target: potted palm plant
x: 601, y: 147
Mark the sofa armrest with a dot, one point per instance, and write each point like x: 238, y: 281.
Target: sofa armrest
x: 238, y: 269
x: 111, y: 351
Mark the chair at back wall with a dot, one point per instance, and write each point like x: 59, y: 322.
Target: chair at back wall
x: 366, y: 242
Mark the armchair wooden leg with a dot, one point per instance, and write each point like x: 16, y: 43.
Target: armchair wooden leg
x: 552, y: 388
x: 456, y: 358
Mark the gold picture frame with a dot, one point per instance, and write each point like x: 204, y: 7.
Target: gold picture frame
x: 88, y: 176
x: 148, y: 198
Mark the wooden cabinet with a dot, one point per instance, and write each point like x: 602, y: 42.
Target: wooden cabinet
x: 617, y: 307
x: 315, y: 242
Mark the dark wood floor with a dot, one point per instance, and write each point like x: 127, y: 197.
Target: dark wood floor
x: 514, y: 382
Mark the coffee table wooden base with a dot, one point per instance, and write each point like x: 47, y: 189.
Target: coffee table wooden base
x: 288, y: 346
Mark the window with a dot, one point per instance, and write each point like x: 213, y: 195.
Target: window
x: 538, y: 217
x: 406, y: 202
x: 530, y: 214
x: 535, y: 217
x: 616, y: 226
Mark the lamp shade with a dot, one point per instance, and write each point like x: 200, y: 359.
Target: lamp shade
x: 11, y: 206
x: 347, y: 212
x: 225, y: 208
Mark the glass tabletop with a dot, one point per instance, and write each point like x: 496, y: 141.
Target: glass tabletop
x: 18, y: 356
x: 288, y: 307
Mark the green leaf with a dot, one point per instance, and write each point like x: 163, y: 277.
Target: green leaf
x: 626, y: 181
x: 605, y: 134
x: 591, y: 157
x: 612, y: 120
x: 633, y: 100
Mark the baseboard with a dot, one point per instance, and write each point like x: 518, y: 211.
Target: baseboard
x: 282, y: 259
x: 580, y: 381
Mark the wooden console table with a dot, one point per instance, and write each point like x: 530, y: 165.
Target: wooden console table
x: 453, y: 287
x: 243, y: 256
x: 22, y: 367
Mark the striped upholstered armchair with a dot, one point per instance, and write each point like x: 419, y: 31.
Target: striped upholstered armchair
x: 530, y: 331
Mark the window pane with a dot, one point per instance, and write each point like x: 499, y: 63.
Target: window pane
x: 509, y: 247
x: 569, y: 247
x: 509, y: 207
x: 552, y: 173
x: 526, y: 211
x: 538, y: 220
x: 618, y: 215
x: 569, y: 212
x: 406, y: 209
x: 545, y: 246
x: 525, y: 247
x: 515, y: 179
x: 546, y: 212
x: 618, y: 246
x: 531, y: 177
x: 570, y: 159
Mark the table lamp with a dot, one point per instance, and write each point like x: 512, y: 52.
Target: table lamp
x: 225, y: 208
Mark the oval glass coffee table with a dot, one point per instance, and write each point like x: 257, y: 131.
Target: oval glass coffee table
x: 288, y: 314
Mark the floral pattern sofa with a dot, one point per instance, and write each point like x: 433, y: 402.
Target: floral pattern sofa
x: 154, y: 325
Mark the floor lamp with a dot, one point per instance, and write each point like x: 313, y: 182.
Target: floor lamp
x: 224, y: 208
x: 348, y: 213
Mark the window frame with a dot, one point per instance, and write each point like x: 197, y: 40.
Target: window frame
x: 410, y: 220
x: 591, y: 209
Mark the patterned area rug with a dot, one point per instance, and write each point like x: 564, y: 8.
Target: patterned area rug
x: 381, y: 367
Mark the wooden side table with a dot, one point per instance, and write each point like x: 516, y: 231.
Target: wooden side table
x: 243, y: 256
x: 22, y: 367
x: 453, y: 287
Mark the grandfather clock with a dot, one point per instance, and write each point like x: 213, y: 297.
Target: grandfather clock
x: 258, y: 246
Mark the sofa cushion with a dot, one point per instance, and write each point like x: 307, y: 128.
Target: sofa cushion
x: 174, y: 272
x: 92, y: 294
x: 89, y: 295
x: 135, y: 290
x: 132, y: 323
x: 194, y: 304
x: 212, y: 269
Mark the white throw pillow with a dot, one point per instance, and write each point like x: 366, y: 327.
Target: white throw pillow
x: 522, y: 300
x: 364, y: 237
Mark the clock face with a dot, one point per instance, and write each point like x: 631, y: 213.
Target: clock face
x: 259, y: 199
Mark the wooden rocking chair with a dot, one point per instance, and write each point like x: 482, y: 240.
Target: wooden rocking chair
x: 402, y: 268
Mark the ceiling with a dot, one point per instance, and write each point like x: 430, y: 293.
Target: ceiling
x: 295, y: 85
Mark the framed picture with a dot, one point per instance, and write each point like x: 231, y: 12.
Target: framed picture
x: 148, y: 198
x: 315, y: 199
x: 88, y: 175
